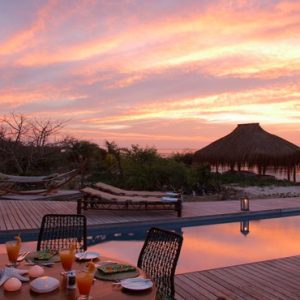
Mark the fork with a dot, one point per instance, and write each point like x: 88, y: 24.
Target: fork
x: 142, y: 279
x: 45, y: 264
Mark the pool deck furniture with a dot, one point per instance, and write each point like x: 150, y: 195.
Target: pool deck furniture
x: 160, y: 252
x: 121, y: 192
x: 95, y: 199
x: 60, y: 231
x: 10, y: 184
x: 56, y: 195
x: 100, y: 290
x: 276, y: 279
x: 4, y: 178
x: 26, y: 216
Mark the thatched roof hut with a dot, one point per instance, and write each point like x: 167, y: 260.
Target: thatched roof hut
x: 248, y: 145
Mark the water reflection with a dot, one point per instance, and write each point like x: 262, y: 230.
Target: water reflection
x: 205, y: 247
x: 245, y: 227
x: 221, y: 245
x: 132, y: 234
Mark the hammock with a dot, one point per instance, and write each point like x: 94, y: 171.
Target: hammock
x: 50, y: 183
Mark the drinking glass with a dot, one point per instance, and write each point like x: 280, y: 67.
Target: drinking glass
x: 67, y: 257
x: 13, y: 249
x: 84, y: 283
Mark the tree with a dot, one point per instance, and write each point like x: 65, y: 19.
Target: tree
x: 25, y: 145
x: 84, y: 156
x: 114, y: 158
x: 187, y: 158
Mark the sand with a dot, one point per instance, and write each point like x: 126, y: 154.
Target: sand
x: 269, y: 191
x: 235, y: 192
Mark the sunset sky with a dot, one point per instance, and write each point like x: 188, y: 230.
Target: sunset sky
x: 174, y: 74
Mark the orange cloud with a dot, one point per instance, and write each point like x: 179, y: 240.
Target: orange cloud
x: 23, y: 38
x: 119, y: 69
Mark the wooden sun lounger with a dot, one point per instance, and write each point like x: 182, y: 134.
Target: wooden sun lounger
x: 117, y: 191
x: 95, y: 199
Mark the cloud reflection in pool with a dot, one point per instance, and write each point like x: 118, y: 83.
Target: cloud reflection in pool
x: 215, y: 246
x: 206, y: 247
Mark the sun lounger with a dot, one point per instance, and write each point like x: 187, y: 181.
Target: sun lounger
x: 95, y: 199
x: 117, y: 191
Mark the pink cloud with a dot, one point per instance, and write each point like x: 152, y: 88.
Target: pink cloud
x: 118, y: 70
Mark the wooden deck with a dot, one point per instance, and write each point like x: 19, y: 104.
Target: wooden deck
x: 277, y: 279
x: 27, y: 215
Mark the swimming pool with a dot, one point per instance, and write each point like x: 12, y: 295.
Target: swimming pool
x: 205, y: 246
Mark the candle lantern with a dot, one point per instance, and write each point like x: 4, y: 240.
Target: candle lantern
x: 245, y: 227
x: 244, y: 204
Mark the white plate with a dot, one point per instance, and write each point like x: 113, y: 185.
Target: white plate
x: 44, y: 284
x: 136, y: 284
x: 87, y: 255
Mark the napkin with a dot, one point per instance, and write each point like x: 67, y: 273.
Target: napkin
x: 7, y: 273
x: 169, y: 199
x: 171, y: 194
x: 116, y: 268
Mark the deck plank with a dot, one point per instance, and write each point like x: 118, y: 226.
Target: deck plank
x: 215, y: 285
x: 272, y: 281
x: 251, y: 279
x: 276, y: 279
x: 232, y: 284
x: 19, y: 215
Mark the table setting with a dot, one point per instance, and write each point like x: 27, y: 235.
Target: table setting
x: 69, y: 274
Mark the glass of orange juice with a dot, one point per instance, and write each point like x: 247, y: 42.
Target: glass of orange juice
x: 13, y: 250
x: 67, y: 257
x: 84, y: 284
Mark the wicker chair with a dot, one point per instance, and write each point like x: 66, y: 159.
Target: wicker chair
x: 158, y: 258
x: 59, y: 231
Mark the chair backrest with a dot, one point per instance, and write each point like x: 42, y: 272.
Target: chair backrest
x: 59, y: 231
x: 158, y: 258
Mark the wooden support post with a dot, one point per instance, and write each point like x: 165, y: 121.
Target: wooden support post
x: 178, y: 208
x: 79, y: 202
x: 289, y: 174
x: 294, y: 174
x: 259, y: 170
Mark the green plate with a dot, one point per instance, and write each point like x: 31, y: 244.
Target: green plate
x: 116, y: 276
x: 32, y: 257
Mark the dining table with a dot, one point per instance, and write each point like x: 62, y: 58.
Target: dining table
x: 101, y: 289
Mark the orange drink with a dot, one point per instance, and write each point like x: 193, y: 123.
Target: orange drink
x: 91, y: 268
x: 84, y: 283
x: 13, y: 249
x: 67, y: 257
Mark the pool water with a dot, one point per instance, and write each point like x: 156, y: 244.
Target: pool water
x: 206, y: 246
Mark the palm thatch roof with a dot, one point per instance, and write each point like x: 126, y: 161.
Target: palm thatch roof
x: 249, y: 145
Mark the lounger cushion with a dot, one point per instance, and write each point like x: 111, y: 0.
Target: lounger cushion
x: 117, y: 191
x: 109, y: 197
